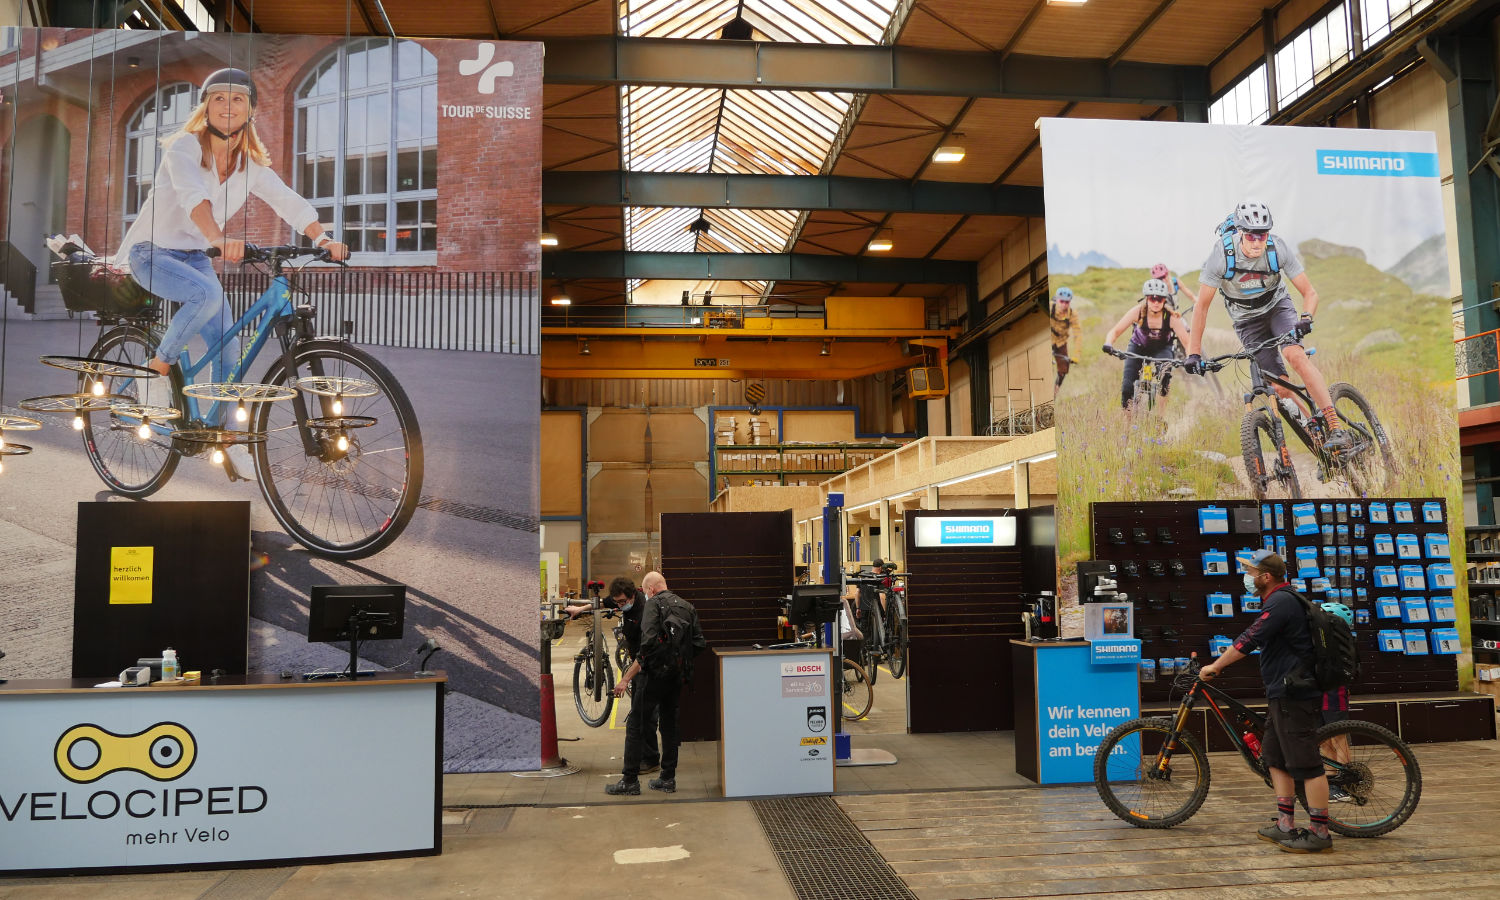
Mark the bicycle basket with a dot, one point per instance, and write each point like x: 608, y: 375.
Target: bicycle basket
x: 95, y: 286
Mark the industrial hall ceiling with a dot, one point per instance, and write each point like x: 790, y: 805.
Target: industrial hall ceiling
x: 759, y: 146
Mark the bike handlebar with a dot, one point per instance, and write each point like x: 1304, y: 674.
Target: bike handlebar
x: 1164, y: 360
x: 256, y: 253
x: 1216, y: 363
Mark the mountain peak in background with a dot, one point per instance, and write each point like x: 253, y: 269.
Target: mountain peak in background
x: 1317, y: 248
x: 1060, y: 263
x: 1425, y: 268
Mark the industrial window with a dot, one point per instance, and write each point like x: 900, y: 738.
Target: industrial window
x: 366, y: 146
x: 196, y: 13
x: 1244, y: 103
x: 1312, y: 55
x: 10, y: 38
x: 160, y: 116
x: 1381, y: 17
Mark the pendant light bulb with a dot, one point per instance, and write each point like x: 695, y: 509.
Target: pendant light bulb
x: 239, y: 412
x: 2, y: 467
x: 338, y: 404
x: 218, y: 456
x: 144, y: 431
x: 77, y: 422
x: 342, y: 443
x: 2, y: 440
x: 98, y: 389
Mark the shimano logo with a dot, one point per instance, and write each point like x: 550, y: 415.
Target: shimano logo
x: 1377, y: 162
x: 482, y: 66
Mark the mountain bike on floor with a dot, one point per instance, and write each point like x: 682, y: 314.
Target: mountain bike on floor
x: 1154, y: 773
x: 1367, y: 464
x: 338, y: 454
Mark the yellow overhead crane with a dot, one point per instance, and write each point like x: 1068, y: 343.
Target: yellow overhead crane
x: 849, y: 337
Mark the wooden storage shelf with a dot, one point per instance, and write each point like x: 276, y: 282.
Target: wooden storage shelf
x: 781, y: 460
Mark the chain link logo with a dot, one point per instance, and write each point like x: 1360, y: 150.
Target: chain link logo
x: 87, y: 753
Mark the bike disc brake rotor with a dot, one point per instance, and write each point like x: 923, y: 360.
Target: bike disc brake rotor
x: 1357, y: 780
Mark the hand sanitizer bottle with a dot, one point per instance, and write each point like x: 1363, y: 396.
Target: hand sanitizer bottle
x: 169, y: 665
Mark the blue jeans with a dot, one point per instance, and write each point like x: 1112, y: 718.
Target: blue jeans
x: 187, y: 277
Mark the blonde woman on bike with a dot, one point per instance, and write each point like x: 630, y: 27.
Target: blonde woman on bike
x: 208, y: 170
x: 1152, y: 326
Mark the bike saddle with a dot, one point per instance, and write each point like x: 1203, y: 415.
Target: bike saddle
x: 1156, y: 567
x: 1139, y: 536
x: 1117, y: 535
x: 1130, y: 568
x: 1164, y: 535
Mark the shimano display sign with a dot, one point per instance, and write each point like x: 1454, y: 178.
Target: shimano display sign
x: 1377, y: 162
x: 1108, y: 651
x: 966, y: 531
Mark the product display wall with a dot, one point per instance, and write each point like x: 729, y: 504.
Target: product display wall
x: 1175, y: 610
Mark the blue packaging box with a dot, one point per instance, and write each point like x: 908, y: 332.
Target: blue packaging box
x: 1440, y: 576
x: 1385, y: 545
x: 1267, y: 521
x: 1148, y: 670
x: 1385, y: 577
x: 1408, y: 547
x: 1220, y: 606
x: 1249, y: 603
x: 1413, y: 578
x: 1304, y: 519
x: 1416, y: 641
x: 1443, y: 609
x: 1390, y: 640
x: 1403, y: 513
x: 1445, y: 641
x: 1435, y: 545
x: 1307, y: 562
x: 1432, y: 512
x: 1218, y: 644
x: 1215, y: 562
x: 1387, y: 608
x: 1380, y: 514
x: 1414, y: 611
x: 1213, y: 520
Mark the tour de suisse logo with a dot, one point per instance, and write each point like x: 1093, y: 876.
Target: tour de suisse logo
x: 484, y: 66
x: 87, y: 753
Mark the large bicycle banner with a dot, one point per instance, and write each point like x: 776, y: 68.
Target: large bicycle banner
x: 1194, y: 266
x: 295, y: 271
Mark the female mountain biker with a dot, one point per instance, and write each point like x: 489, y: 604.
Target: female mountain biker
x: 208, y: 170
x: 1152, y: 327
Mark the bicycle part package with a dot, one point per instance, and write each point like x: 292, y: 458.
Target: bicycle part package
x: 1140, y: 536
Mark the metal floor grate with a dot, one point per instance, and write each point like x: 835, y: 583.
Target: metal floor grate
x: 823, y: 854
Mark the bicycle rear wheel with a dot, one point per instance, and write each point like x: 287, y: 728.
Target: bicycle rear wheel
x: 1370, y: 463
x: 1381, y: 777
x: 593, y: 689
x: 899, y: 639
x: 1135, y: 789
x: 1268, y: 462
x: 859, y: 695
x: 346, y: 504
x: 130, y: 466
x: 871, y: 648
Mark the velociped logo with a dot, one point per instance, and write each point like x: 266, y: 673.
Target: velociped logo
x: 1377, y: 162
x: 87, y: 753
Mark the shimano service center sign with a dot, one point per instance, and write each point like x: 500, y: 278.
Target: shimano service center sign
x: 1377, y: 162
x: 1108, y: 651
x: 966, y: 531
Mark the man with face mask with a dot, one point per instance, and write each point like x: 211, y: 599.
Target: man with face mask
x: 1293, y: 702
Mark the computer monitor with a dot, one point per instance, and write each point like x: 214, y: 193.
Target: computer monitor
x: 378, y: 609
x: 814, y: 603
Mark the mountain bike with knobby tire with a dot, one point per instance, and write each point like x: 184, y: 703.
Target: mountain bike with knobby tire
x: 334, y: 439
x: 1154, y: 772
x: 858, y: 691
x: 1151, y: 382
x: 1367, y: 464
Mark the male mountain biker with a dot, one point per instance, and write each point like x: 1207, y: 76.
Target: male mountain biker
x: 1152, y: 327
x: 1249, y: 265
x: 1293, y: 702
x: 1064, y: 322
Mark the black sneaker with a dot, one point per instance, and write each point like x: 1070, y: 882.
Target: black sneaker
x: 1339, y: 795
x: 1338, y: 440
x: 632, y: 788
x: 1274, y: 834
x: 1304, y: 841
x: 665, y: 785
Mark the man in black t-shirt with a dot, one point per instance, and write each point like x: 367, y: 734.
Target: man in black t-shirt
x: 1293, y: 702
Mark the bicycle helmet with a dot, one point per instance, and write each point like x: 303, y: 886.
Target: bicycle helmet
x: 1065, y: 294
x: 231, y: 80
x: 1159, y: 271
x: 1342, y: 611
x: 1155, y: 287
x: 1252, y: 215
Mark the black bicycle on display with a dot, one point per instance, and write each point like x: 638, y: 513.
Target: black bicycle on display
x: 1367, y: 464
x: 1154, y: 772
x: 884, y: 627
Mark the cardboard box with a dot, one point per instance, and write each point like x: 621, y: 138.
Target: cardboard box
x: 1487, y: 687
x: 1489, y: 672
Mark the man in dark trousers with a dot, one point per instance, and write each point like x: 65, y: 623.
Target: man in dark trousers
x: 662, y: 675
x: 630, y: 602
x: 1293, y: 702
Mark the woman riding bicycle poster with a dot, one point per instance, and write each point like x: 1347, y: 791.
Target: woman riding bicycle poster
x: 294, y: 268
x: 1317, y: 354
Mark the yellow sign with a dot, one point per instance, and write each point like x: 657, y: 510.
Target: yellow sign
x: 130, y: 571
x: 814, y: 741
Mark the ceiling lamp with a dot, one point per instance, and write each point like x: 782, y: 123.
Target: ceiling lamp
x: 881, y: 242
x: 700, y: 225
x: 951, y: 153
x: 827, y: 349
x: 547, y: 239
x: 562, y: 300
x: 583, y: 347
x: 1066, y: 2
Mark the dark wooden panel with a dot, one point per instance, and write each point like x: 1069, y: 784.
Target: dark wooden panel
x: 1430, y: 721
x: 1025, y: 713
x: 734, y: 568
x: 959, y: 683
x: 1382, y: 713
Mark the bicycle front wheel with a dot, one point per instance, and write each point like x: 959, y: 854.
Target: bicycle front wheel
x: 593, y: 689
x: 1377, y: 771
x: 899, y: 640
x: 1143, y: 790
x: 1268, y: 462
x: 873, y: 647
x: 343, y: 503
x: 1370, y: 462
x: 130, y: 466
x: 859, y: 695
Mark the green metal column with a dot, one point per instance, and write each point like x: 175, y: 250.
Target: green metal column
x: 977, y: 355
x: 1467, y: 64
x: 1484, y: 491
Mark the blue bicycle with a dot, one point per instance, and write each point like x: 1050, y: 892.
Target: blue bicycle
x: 339, y: 460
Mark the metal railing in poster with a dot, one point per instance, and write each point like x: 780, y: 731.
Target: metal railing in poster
x: 1477, y: 354
x: 1026, y: 421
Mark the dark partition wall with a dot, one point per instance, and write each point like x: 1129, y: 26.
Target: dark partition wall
x: 193, y: 595
x: 735, y: 568
x: 965, y: 607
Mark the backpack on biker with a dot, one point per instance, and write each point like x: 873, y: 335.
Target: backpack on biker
x: 1226, y: 231
x: 1335, y: 654
x: 669, y: 652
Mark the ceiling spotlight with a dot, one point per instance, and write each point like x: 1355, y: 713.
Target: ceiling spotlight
x: 736, y: 29
x: 583, y: 347
x: 144, y: 432
x: 827, y: 349
x: 700, y: 225
x: 98, y: 389
x: 547, y: 239
x: 950, y: 153
x: 881, y: 242
x: 1066, y: 2
x: 562, y: 300
x: 218, y: 456
x: 338, y: 404
x: 77, y: 422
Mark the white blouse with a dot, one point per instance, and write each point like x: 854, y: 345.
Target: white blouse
x: 182, y: 183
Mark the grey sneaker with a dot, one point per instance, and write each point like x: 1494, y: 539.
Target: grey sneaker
x: 632, y: 788
x: 665, y: 785
x: 1304, y: 841
x: 1338, y: 440
x: 1337, y: 794
x: 1274, y: 834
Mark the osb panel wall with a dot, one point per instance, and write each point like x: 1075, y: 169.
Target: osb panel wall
x: 818, y: 426
x: 678, y: 436
x: 618, y: 435
x: 634, y: 435
x: 682, y: 392
x: 675, y: 491
x: 630, y: 499
x: 562, y: 476
x: 632, y: 558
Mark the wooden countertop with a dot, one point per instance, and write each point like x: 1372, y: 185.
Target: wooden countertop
x: 751, y: 651
x: 227, y: 683
x: 1074, y: 642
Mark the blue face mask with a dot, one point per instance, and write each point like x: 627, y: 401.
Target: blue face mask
x: 1250, y: 587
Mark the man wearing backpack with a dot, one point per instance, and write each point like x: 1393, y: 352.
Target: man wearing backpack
x: 1293, y: 701
x: 1250, y: 266
x: 670, y: 638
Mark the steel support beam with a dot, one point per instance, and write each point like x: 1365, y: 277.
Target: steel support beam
x: 755, y: 267
x: 810, y: 192
x: 863, y: 69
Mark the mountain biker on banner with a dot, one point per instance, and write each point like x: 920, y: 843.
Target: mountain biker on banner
x: 208, y: 170
x: 1152, y: 327
x: 1064, y: 321
x: 1161, y: 271
x: 1250, y: 266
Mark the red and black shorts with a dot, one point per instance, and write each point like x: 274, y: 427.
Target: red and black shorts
x: 1291, y: 741
x: 1335, y: 705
